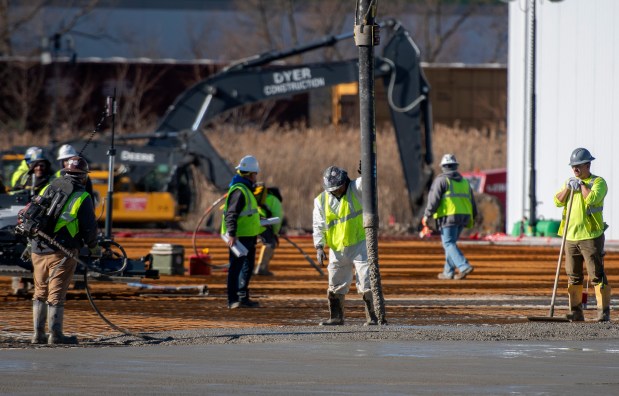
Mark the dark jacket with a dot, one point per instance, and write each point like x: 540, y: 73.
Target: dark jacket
x: 438, y: 188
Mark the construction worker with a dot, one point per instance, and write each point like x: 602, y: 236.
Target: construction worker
x: 241, y: 225
x: 38, y: 176
x: 269, y: 206
x: 24, y: 166
x: 338, y: 224
x: 584, y: 238
x: 65, y: 152
x: 53, y: 270
x: 451, y: 204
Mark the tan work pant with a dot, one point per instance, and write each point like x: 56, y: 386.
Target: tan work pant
x: 591, y: 253
x: 53, y: 274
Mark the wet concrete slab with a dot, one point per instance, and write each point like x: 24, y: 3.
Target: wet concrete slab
x: 308, y: 367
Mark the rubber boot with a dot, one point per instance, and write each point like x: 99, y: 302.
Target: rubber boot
x: 602, y: 296
x: 266, y: 253
x: 336, y: 310
x: 39, y: 316
x: 370, y: 314
x: 55, y: 317
x: 574, y: 293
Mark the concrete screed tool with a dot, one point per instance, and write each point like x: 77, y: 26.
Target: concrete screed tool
x: 550, y: 317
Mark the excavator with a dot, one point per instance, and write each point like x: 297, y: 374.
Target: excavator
x: 157, y: 174
x: 157, y: 178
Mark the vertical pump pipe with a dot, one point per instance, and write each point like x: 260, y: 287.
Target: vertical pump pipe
x: 110, y: 110
x: 366, y: 37
x: 532, y: 20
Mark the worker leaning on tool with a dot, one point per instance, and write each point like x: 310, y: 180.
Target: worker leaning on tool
x: 338, y: 224
x: 584, y: 240
x: 241, y: 224
x: 53, y: 270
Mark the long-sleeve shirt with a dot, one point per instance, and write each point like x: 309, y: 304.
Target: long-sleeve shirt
x: 318, y: 214
x: 437, y: 190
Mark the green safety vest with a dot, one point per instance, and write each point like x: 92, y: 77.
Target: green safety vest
x: 586, y: 220
x: 275, y: 209
x: 248, y: 223
x: 344, y: 228
x: 68, y: 216
x: 456, y: 200
x: 17, y: 176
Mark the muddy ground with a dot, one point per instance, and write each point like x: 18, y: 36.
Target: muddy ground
x: 511, y: 283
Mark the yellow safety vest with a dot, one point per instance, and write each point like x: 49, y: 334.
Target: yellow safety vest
x: 68, y: 216
x: 344, y: 228
x: 456, y: 200
x: 248, y: 223
x: 586, y: 220
x: 275, y: 208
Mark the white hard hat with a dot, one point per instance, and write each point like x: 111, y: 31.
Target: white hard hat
x: 449, y: 159
x: 31, y: 153
x: 249, y: 163
x: 66, y: 151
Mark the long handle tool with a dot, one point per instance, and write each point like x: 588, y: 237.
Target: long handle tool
x: 550, y: 317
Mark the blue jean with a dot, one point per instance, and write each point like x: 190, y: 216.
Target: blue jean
x: 240, y: 271
x: 453, y: 256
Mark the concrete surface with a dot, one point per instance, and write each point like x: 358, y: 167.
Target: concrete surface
x: 314, y: 368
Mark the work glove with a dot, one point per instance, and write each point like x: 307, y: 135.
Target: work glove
x: 95, y: 251
x: 321, y: 256
x: 574, y: 183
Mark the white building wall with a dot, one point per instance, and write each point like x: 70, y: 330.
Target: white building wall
x: 577, y: 101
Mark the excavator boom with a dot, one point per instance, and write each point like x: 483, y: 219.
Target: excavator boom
x: 251, y: 80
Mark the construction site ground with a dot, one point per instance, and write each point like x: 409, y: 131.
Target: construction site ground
x: 513, y: 280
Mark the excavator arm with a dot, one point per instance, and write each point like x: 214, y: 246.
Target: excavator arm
x: 251, y: 80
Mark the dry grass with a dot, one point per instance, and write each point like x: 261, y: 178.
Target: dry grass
x: 294, y: 159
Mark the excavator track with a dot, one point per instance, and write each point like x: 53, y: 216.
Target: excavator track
x: 510, y: 282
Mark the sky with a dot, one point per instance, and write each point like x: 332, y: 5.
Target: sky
x: 155, y: 31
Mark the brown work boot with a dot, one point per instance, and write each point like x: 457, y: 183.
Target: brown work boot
x: 602, y: 295
x: 574, y: 293
x: 464, y: 273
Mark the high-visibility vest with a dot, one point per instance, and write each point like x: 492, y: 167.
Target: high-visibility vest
x: 456, y: 200
x: 586, y: 220
x: 18, y: 176
x: 248, y: 223
x: 274, y: 208
x: 344, y: 228
x: 68, y: 215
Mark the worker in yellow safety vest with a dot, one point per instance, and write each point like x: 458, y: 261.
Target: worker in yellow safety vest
x: 270, y: 207
x: 584, y: 234
x: 338, y: 224
x: 240, y: 227
x: 53, y: 270
x: 452, y: 205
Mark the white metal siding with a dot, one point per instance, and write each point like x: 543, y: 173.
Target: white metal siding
x: 577, y: 101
